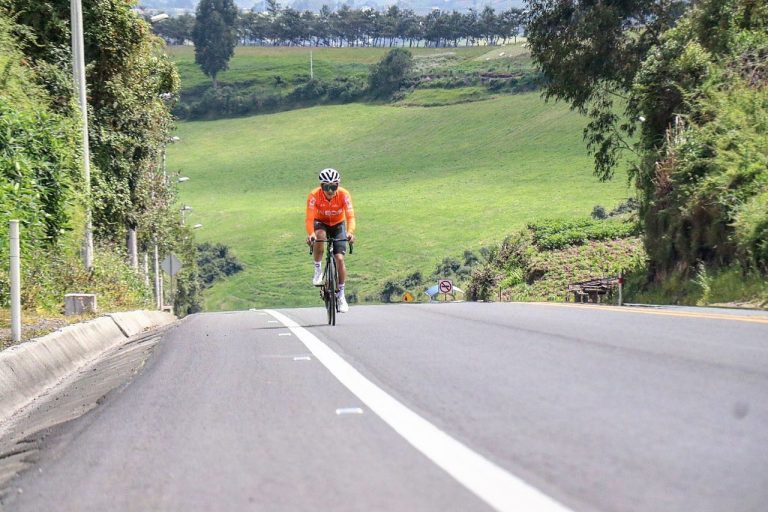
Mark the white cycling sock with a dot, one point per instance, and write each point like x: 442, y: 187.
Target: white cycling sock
x: 317, y: 264
x: 341, y: 290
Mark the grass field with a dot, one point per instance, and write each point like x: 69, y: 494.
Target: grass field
x: 427, y: 183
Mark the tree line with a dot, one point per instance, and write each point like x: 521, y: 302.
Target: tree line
x: 278, y: 26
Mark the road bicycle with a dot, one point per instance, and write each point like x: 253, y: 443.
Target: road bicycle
x: 330, y: 287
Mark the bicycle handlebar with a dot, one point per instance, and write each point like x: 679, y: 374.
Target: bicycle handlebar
x: 329, y: 240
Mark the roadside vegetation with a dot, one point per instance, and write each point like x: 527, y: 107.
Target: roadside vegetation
x: 540, y: 261
x: 41, y: 182
x: 692, y: 81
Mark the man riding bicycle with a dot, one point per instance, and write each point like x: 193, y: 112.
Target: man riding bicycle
x: 330, y: 214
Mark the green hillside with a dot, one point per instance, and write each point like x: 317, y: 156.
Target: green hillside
x: 427, y: 183
x: 259, y: 65
x: 266, y: 80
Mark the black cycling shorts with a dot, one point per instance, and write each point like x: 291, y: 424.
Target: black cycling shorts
x: 339, y: 231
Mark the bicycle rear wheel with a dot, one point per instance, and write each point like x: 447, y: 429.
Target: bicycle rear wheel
x: 330, y: 291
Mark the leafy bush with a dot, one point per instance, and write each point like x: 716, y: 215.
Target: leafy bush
x: 709, y: 204
x: 389, y: 289
x: 215, y: 262
x: 751, y: 225
x: 598, y: 213
x: 395, y: 287
x: 558, y: 234
x: 48, y: 275
x: 483, y: 283
x: 628, y: 206
x: 516, y: 84
x: 703, y: 93
x: 38, y: 171
x: 231, y: 101
x: 387, y: 76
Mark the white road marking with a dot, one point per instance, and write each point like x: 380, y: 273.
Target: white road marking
x: 493, y: 484
x: 302, y: 358
x: 271, y: 321
x: 285, y: 334
x: 349, y: 410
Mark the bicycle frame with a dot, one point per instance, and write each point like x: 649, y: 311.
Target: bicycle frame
x: 330, y: 286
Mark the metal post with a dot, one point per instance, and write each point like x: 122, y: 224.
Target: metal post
x: 173, y: 289
x: 15, y: 282
x: 146, y: 270
x: 162, y: 289
x: 311, y: 67
x: 158, y: 290
x: 133, y: 254
x: 621, y: 286
x: 78, y: 69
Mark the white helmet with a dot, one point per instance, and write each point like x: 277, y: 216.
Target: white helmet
x: 329, y: 176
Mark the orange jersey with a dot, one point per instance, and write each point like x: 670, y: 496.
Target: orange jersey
x: 330, y: 212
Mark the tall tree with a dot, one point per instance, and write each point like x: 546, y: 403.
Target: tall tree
x: 589, y: 53
x: 214, y: 35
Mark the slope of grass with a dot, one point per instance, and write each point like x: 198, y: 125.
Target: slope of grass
x: 427, y: 183
x: 439, y: 97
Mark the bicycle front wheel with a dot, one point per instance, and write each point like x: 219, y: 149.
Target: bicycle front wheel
x: 330, y: 291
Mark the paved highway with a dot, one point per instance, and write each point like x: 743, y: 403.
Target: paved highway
x: 439, y: 407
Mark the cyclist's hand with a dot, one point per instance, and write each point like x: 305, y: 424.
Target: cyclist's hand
x: 311, y: 239
x: 350, y: 238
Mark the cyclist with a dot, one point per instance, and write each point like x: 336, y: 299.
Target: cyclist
x: 330, y: 214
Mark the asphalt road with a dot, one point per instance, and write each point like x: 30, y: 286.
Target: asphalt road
x: 440, y: 407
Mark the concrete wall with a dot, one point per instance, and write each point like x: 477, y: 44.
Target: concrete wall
x: 28, y: 369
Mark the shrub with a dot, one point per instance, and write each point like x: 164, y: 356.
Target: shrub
x: 558, y: 234
x: 389, y: 289
x: 628, y: 206
x: 47, y: 275
x: 387, y: 76
x: 483, y: 283
x: 598, y: 213
x: 215, y: 262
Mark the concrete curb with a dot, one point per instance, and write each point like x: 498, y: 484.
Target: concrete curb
x: 28, y: 369
x: 135, y: 322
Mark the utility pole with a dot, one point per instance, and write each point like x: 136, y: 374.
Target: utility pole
x: 311, y: 67
x: 78, y: 68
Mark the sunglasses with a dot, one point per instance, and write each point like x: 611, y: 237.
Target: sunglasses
x: 330, y: 187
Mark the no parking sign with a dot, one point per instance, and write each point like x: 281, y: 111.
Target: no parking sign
x: 445, y: 286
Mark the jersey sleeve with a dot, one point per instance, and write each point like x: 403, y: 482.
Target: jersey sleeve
x: 309, y: 221
x: 349, y: 213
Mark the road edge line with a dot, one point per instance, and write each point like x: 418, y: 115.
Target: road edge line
x: 488, y: 481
